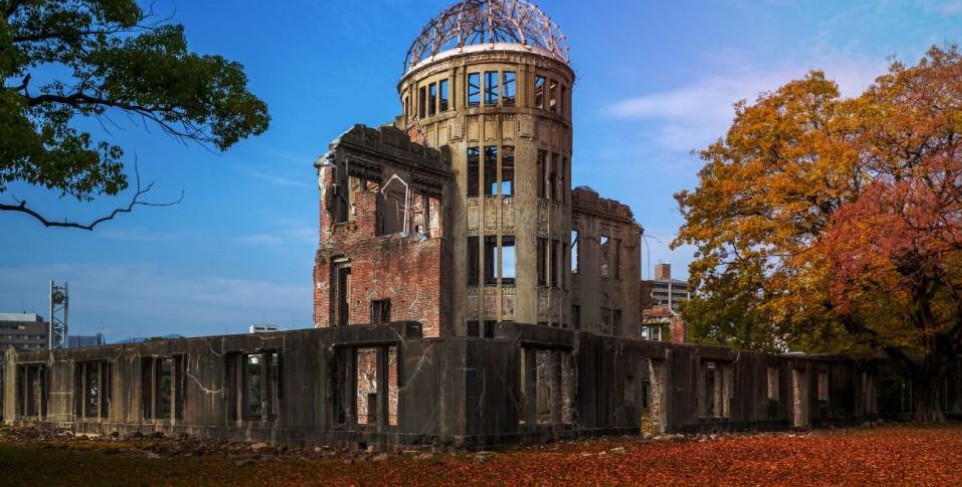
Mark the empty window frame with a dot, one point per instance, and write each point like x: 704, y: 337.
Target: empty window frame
x: 392, y: 207
x: 422, y: 102
x: 542, y: 262
x: 576, y: 316
x: 32, y: 391
x: 616, y: 258
x: 92, y: 389
x: 551, y: 190
x: 556, y: 264
x: 563, y: 100
x: 367, y: 386
x: 473, y: 328
x: 444, y: 95
x: 491, y: 89
x: 605, y: 320
x: 163, y: 384
x: 711, y: 385
x: 407, y: 108
x: 253, y: 386
x: 507, y: 170
x: 489, y: 327
x: 605, y: 246
x: 341, y: 271
x: 474, y: 262
x: 553, y: 95
x: 490, y: 170
x: 474, y: 171
x: 539, y: 85
x: 381, y: 311
x: 574, y: 251
x: 432, y: 99
x: 508, y: 260
x: 474, y: 89
x: 491, y: 260
x: 616, y: 322
x: 510, y: 88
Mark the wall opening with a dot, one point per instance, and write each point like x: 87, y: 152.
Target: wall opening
x: 342, y: 291
x: 474, y: 90
x: 381, y: 311
x: 32, y: 387
x: 92, y: 389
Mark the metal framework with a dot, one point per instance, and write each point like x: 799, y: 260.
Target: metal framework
x: 476, y: 22
x: 59, y: 305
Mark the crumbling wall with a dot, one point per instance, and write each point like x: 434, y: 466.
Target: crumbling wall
x: 605, y: 283
x: 388, y: 386
x: 382, y: 253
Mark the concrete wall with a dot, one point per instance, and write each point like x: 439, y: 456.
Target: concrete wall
x: 390, y: 386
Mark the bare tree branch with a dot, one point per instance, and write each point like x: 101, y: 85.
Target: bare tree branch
x: 22, y: 207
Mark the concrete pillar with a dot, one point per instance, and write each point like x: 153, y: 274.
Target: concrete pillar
x: 801, y: 416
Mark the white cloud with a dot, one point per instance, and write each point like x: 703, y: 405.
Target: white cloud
x: 692, y: 116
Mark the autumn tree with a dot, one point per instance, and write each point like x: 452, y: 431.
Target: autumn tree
x: 64, y: 61
x: 836, y: 224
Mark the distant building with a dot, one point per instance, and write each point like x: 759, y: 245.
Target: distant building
x: 83, y: 341
x: 23, y: 331
x: 263, y: 328
x: 665, y: 291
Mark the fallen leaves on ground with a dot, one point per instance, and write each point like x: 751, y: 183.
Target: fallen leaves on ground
x: 889, y: 455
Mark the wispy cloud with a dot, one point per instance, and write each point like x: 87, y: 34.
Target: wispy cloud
x: 281, y: 180
x: 691, y: 116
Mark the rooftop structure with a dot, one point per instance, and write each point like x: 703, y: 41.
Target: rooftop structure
x: 23, y: 331
x: 488, y: 22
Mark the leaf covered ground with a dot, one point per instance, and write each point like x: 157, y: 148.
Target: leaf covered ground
x: 888, y: 455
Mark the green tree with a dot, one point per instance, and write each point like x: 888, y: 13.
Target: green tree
x: 62, y: 61
x: 835, y: 224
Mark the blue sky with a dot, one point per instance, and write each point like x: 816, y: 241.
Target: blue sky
x: 655, y: 81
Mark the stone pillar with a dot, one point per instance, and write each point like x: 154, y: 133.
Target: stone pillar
x: 658, y: 407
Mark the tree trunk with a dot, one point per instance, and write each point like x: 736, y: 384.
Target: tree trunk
x: 928, y: 406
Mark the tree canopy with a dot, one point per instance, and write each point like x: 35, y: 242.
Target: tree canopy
x: 65, y: 60
x: 830, y: 224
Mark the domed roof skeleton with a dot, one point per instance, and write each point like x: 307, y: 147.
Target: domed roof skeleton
x: 478, y: 22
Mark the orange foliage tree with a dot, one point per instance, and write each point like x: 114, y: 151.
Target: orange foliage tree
x: 831, y: 224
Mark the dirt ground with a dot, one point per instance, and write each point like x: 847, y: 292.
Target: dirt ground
x: 881, y: 455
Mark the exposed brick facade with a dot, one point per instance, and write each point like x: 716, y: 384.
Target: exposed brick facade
x: 405, y: 268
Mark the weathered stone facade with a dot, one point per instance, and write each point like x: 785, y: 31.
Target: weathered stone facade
x: 464, y: 295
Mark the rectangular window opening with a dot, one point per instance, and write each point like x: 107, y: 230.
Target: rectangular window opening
x: 381, y: 312
x: 539, y: 85
x: 604, y: 242
x: 445, y: 95
x: 474, y: 261
x: 489, y: 327
x: 491, y: 89
x: 473, y: 329
x: 553, y: 95
x: 510, y: 89
x: 432, y: 99
x: 367, y: 386
x: 507, y: 170
x: 508, y: 260
x: 342, y: 290
x: 490, y: 260
x: 474, y: 171
x: 542, y: 262
x: 474, y: 89
x: 574, y: 251
x: 490, y: 170
x: 422, y: 102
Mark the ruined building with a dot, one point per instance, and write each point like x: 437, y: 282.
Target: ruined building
x: 464, y: 294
